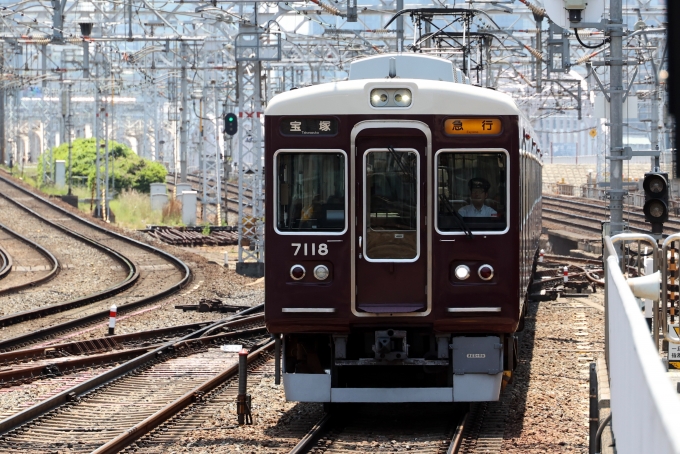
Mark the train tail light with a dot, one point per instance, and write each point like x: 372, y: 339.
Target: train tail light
x: 485, y: 272
x: 297, y: 272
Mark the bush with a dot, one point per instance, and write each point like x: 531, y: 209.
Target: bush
x: 126, y: 169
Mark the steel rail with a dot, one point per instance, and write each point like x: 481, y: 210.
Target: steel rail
x: 41, y: 250
x: 93, y: 345
x: 127, y: 282
x: 35, y: 372
x: 5, y: 263
x: 138, y: 430
x: 180, y: 265
x: 562, y: 221
x: 100, y: 344
x: 638, y: 218
x: 67, y: 395
x: 154, y: 250
x: 226, y: 192
x: 311, y: 437
x: 321, y: 428
x: 457, y: 439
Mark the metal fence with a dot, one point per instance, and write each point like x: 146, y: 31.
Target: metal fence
x: 644, y: 406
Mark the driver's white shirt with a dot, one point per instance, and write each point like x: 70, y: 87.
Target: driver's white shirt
x: 484, y: 212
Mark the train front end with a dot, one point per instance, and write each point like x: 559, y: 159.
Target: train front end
x: 400, y: 231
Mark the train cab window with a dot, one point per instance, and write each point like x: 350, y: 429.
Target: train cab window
x: 310, y: 192
x: 471, y: 191
x: 391, y: 205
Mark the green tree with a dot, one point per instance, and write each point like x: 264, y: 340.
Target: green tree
x: 126, y: 169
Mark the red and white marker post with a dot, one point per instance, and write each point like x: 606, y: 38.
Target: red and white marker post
x: 540, y: 256
x: 566, y: 274
x: 112, y: 319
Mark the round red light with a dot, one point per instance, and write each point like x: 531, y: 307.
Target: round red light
x: 485, y: 272
x: 297, y: 272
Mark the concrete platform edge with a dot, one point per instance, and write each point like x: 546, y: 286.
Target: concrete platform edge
x: 603, y: 400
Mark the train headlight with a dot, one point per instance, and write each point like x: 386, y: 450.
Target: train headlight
x: 297, y: 272
x: 462, y: 272
x: 379, y: 98
x: 402, y: 98
x: 321, y: 272
x: 485, y: 272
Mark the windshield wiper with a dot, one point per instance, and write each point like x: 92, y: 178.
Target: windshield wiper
x: 456, y: 215
x: 401, y: 165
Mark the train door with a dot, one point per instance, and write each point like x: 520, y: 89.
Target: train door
x: 390, y: 233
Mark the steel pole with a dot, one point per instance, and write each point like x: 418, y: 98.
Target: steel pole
x: 68, y: 133
x: 184, y: 124
x: 616, y: 117
x: 400, y: 27
x: 539, y: 49
x: 97, y: 179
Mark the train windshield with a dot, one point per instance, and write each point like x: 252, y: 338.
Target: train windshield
x: 471, y: 191
x: 391, y: 205
x: 310, y: 192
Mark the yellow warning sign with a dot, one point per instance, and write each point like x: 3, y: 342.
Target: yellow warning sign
x: 677, y: 330
x: 593, y: 133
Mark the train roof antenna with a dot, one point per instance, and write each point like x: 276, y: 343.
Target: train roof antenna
x: 393, y: 68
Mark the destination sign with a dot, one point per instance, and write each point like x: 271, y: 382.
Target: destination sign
x: 457, y: 126
x: 309, y: 126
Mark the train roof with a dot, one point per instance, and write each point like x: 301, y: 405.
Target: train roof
x: 405, y: 66
x: 429, y: 97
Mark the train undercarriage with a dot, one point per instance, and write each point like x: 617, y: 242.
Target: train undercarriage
x: 397, y: 365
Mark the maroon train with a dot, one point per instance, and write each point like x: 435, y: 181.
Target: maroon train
x: 402, y: 227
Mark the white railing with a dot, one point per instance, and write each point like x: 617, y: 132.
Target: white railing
x: 644, y: 406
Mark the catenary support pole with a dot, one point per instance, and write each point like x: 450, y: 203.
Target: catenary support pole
x: 616, y: 117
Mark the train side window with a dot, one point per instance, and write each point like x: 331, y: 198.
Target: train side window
x: 310, y: 191
x: 472, y: 191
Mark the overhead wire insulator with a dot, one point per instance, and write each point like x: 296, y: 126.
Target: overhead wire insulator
x: 584, y: 59
x: 588, y: 34
x: 328, y: 8
x: 587, y: 57
x: 538, y: 12
x: 534, y: 52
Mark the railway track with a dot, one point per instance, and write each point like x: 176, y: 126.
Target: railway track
x: 422, y: 427
x: 5, y: 263
x: 34, y: 363
x: 229, y: 192
x: 151, y: 274
x: 588, y: 215
x: 38, y: 265
x: 110, y: 411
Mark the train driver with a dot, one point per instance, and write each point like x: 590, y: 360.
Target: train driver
x: 479, y: 190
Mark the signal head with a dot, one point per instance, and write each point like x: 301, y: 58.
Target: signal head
x: 655, y: 209
x: 230, y: 124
